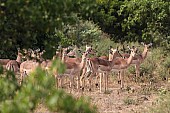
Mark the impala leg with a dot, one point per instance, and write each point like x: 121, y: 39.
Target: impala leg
x: 137, y: 72
x: 60, y: 81
x: 96, y: 80
x: 82, y: 78
x: 71, y: 83
x: 118, y: 77
x: 90, y: 75
x: 81, y: 82
x: 100, y: 74
x: 106, y: 81
x: 55, y: 76
x: 122, y: 79
x: 21, y: 78
x: 90, y: 80
x: 78, y: 82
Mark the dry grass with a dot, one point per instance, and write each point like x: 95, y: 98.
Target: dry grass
x: 135, y: 98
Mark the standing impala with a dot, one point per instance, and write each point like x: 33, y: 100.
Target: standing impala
x: 3, y: 62
x: 73, y: 69
x: 139, y: 58
x: 93, y: 64
x: 29, y: 65
x: 77, y: 60
x: 104, y: 66
x: 14, y: 65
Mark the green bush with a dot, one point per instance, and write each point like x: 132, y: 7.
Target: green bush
x: 162, y: 105
x: 36, y: 88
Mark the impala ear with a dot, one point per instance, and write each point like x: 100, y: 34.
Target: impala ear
x: 150, y: 44
x: 91, y: 46
x: 117, y: 48
x: 133, y: 47
x: 142, y: 43
x: 59, y: 47
x: 80, y: 51
x: 30, y: 50
x: 128, y: 47
x: 86, y: 45
x: 123, y: 48
x: 136, y: 49
x: 37, y: 50
x: 18, y: 49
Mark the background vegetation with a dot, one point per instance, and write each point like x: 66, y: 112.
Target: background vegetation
x: 46, y: 24
x: 101, y: 23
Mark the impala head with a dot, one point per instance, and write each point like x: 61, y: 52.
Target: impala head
x: 33, y: 54
x: 90, y: 50
x: 42, y: 52
x: 84, y: 55
x: 146, y: 46
x: 57, y: 53
x: 115, y: 52
x: 64, y: 51
x: 19, y: 53
x: 133, y: 50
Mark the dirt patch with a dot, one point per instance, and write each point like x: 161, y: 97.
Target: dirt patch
x: 135, y: 98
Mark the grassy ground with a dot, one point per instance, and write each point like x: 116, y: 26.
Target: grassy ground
x: 135, y: 98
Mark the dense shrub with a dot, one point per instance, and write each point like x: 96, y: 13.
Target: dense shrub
x: 38, y: 87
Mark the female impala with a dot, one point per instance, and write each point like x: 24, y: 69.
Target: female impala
x: 77, y: 60
x: 3, y: 62
x: 103, y: 66
x: 14, y: 65
x: 92, y: 66
x: 73, y: 69
x: 139, y: 58
x: 29, y: 65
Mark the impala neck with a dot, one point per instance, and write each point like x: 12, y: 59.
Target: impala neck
x: 129, y: 60
x: 75, y: 52
x: 19, y: 57
x: 63, y: 57
x: 145, y: 51
x: 111, y: 57
x: 83, y: 60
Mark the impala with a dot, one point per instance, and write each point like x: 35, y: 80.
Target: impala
x: 138, y: 59
x: 3, y: 62
x: 77, y: 60
x: 117, y: 64
x: 29, y: 65
x: 14, y: 65
x: 46, y: 64
x: 73, y: 69
x: 73, y: 53
x: 93, y: 64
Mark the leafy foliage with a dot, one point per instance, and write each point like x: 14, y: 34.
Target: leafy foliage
x: 83, y: 32
x: 38, y: 87
x: 31, y: 24
x: 130, y: 20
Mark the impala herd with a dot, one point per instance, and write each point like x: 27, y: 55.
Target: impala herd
x: 81, y: 69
